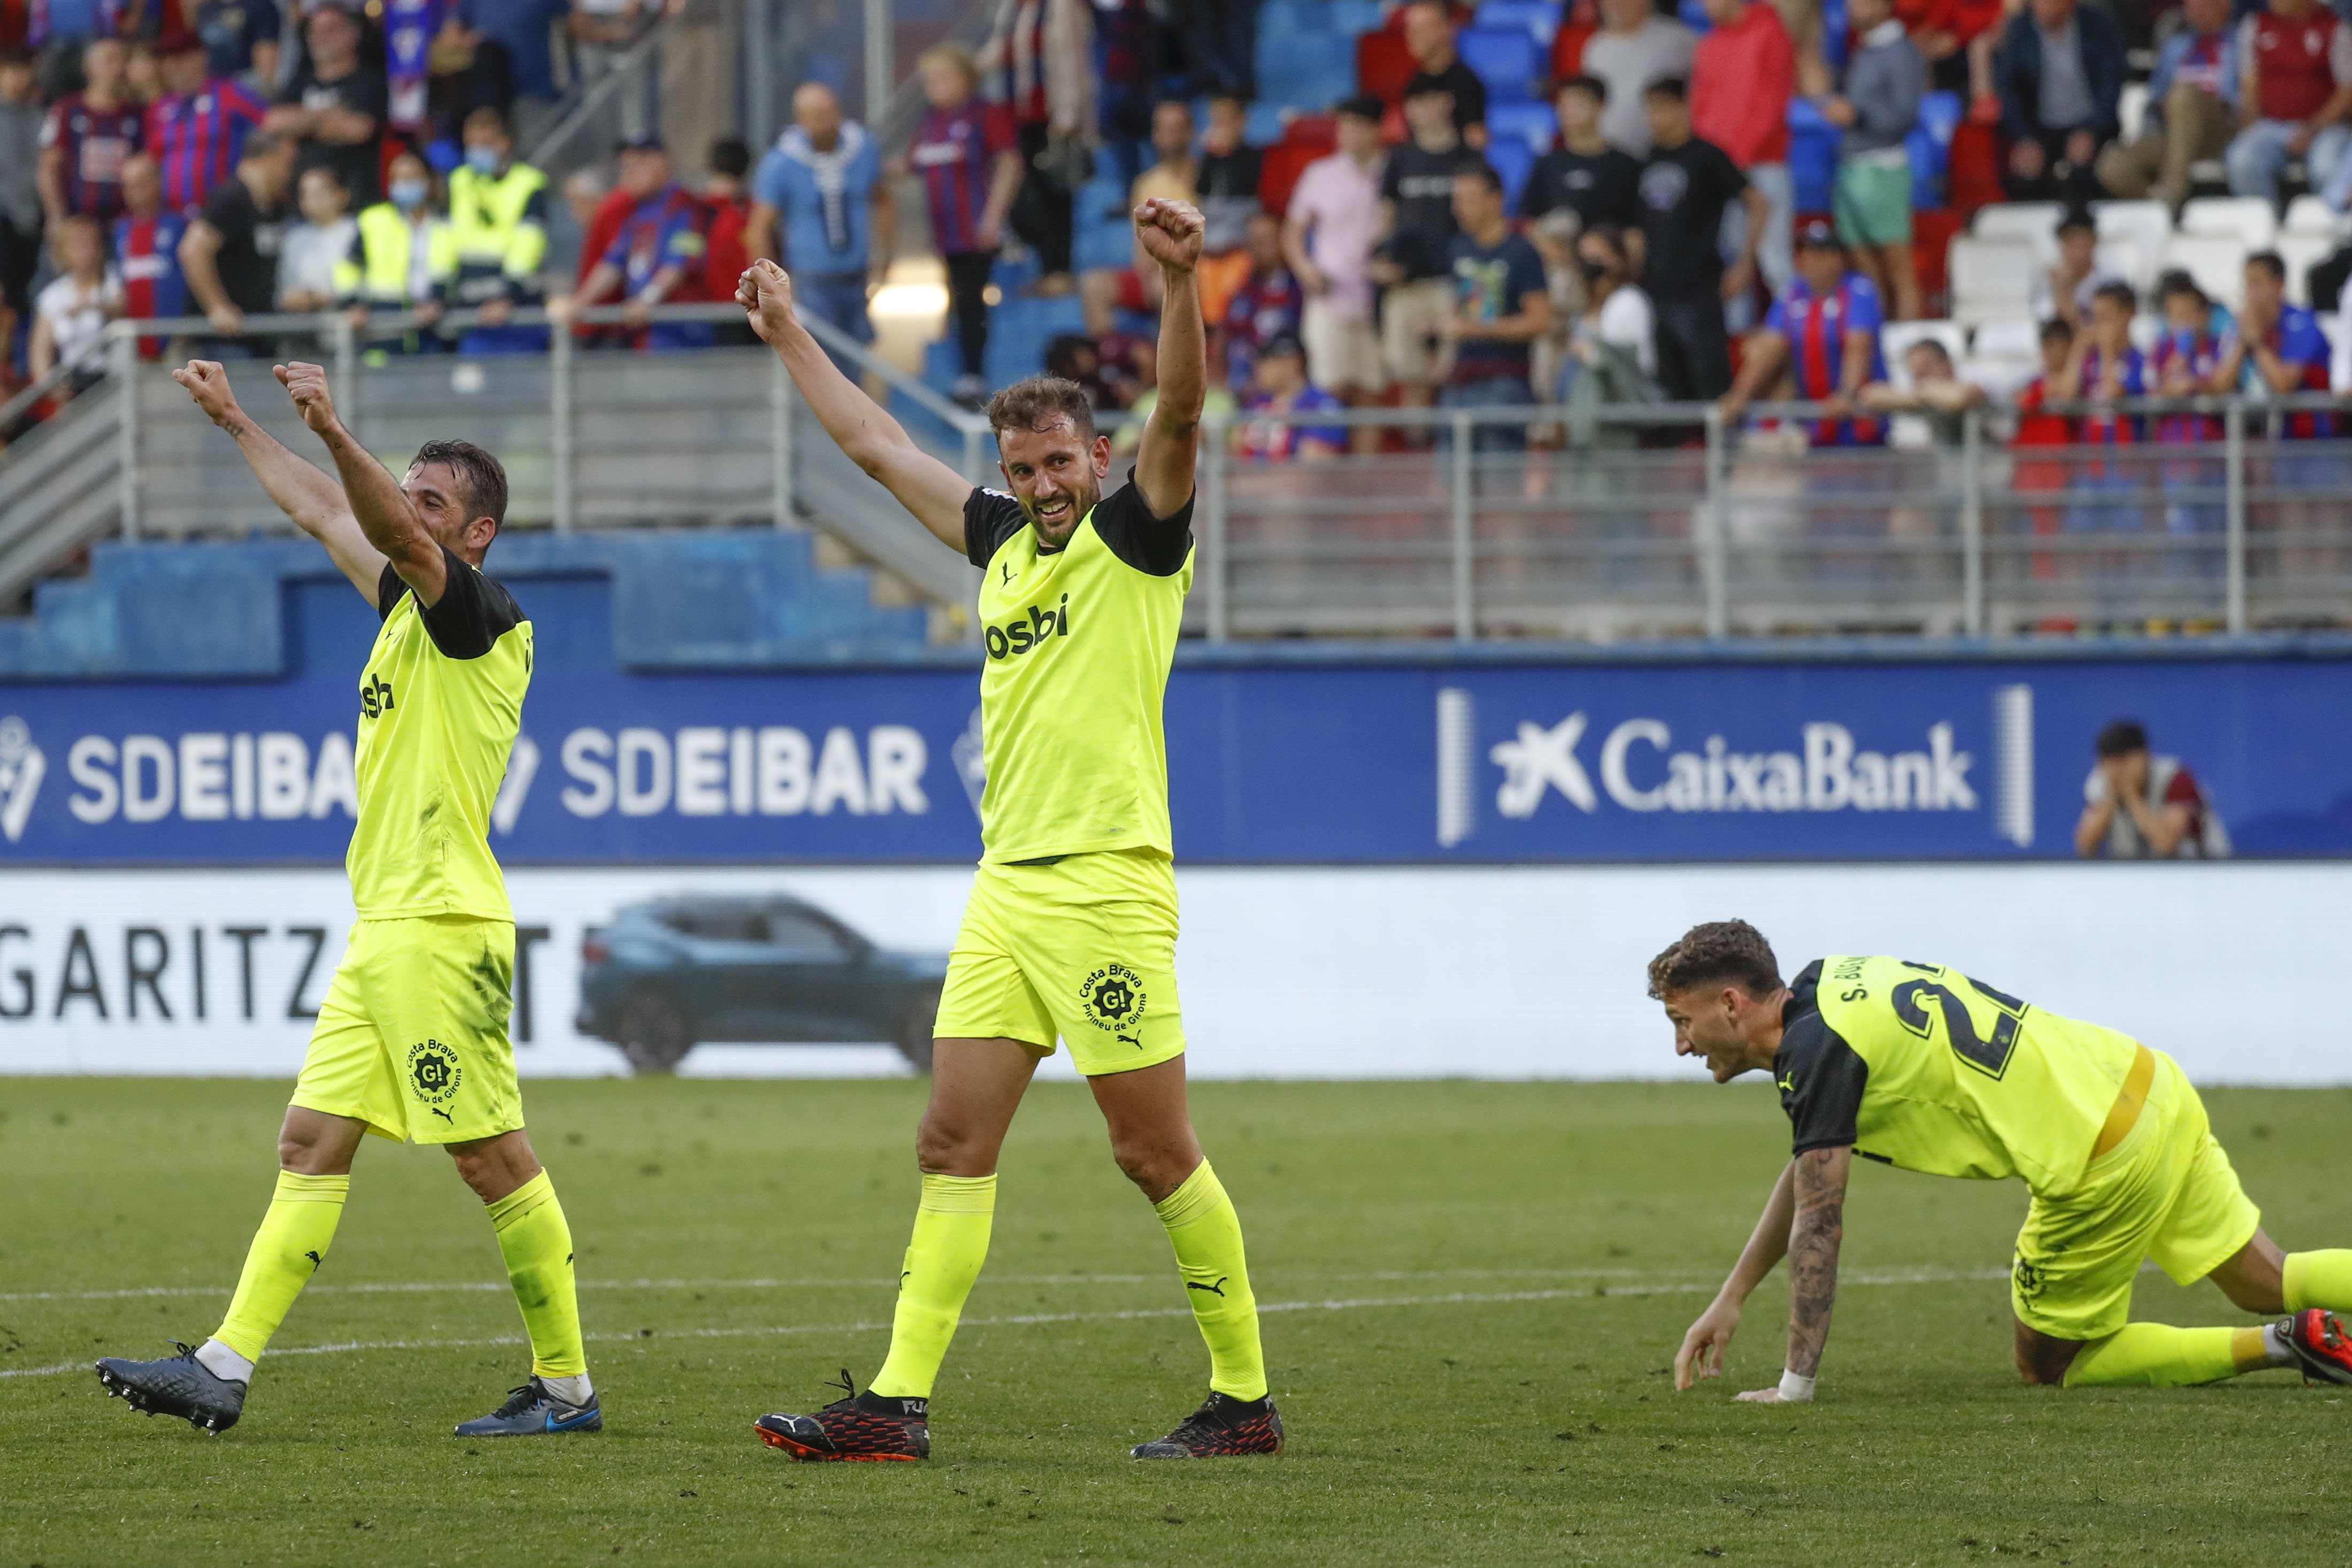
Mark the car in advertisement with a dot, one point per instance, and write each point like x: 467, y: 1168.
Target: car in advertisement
x: 669, y: 974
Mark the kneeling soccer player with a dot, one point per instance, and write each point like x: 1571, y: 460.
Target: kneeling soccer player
x: 1071, y: 927
x: 1920, y: 1067
x: 412, y: 1039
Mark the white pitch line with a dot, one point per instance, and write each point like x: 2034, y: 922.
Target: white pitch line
x: 1018, y: 1319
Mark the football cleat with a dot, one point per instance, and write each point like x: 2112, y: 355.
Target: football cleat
x: 1224, y: 1426
x: 862, y: 1427
x: 530, y: 1411
x: 179, y: 1385
x: 2321, y: 1346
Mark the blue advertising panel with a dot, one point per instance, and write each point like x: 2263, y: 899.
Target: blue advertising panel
x: 1273, y: 763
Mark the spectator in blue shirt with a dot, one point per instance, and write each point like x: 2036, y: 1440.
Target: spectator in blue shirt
x: 820, y: 184
x: 656, y: 258
x: 1502, y: 304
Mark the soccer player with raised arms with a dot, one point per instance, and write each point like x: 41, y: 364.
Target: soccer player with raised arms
x: 411, y: 1041
x: 1919, y: 1065
x: 1070, y: 929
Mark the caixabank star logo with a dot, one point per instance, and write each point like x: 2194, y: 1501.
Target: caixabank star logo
x: 1114, y: 999
x: 434, y: 1072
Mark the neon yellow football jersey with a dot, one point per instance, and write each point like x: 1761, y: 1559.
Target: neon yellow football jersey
x: 1921, y: 1066
x: 1079, y: 641
x: 440, y: 704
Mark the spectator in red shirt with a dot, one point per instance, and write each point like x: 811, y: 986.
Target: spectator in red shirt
x: 1742, y: 77
x: 2140, y: 807
x: 2038, y: 427
x: 730, y: 216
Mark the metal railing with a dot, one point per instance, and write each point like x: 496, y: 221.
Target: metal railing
x: 1651, y: 522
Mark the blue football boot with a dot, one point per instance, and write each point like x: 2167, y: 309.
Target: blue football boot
x: 531, y: 1410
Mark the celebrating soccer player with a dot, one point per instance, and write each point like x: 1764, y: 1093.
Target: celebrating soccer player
x: 1071, y: 926
x: 1920, y: 1067
x: 411, y: 1042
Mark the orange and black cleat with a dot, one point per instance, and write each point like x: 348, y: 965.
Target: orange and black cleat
x: 862, y: 1427
x: 2321, y: 1346
x: 1223, y: 1427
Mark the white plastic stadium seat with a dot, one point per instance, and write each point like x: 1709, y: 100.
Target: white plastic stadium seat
x: 1999, y: 374
x: 2308, y: 213
x: 2147, y: 223
x: 2125, y: 256
x: 1991, y: 279
x: 2250, y: 220
x: 1895, y: 338
x: 2216, y: 261
x: 2036, y: 223
x: 2302, y: 252
x: 2147, y: 330
x: 2019, y: 339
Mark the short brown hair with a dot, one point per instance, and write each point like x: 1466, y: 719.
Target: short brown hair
x: 1719, y: 951
x: 1040, y: 403
x: 483, y: 475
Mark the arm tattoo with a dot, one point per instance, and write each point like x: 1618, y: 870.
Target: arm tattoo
x: 1814, y: 1255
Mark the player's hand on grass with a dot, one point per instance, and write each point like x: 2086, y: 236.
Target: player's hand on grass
x: 207, y: 383
x: 766, y: 296
x: 1171, y: 232
x: 307, y: 386
x: 1703, y: 1345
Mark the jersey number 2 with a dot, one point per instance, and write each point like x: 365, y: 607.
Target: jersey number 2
x: 1988, y: 1057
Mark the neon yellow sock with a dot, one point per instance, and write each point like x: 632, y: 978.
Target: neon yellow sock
x: 2156, y: 1355
x: 1207, y: 1235
x: 951, y: 1242
x: 537, y: 1244
x: 287, y: 1250
x: 2319, y: 1279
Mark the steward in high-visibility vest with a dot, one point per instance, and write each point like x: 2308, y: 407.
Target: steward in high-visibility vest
x: 404, y: 259
x: 498, y: 211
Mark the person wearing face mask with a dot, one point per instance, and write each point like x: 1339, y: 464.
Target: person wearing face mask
x: 1612, y: 353
x: 404, y: 260
x: 497, y: 215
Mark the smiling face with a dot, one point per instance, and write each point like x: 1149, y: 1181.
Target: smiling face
x: 445, y: 506
x: 1056, y: 473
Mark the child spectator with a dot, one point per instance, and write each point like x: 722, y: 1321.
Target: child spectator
x: 311, y: 249
x: 2064, y: 291
x: 88, y: 136
x: 1280, y: 388
x: 2104, y: 369
x: 2040, y: 429
x: 971, y: 168
x: 1227, y: 181
x: 147, y: 250
x: 2188, y: 359
x: 1327, y: 237
x: 74, y: 308
x: 1268, y: 305
x: 1879, y: 108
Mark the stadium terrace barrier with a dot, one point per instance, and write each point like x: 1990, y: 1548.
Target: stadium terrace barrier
x: 1652, y: 522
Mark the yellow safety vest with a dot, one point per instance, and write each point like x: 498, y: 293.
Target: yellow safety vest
x: 380, y: 277
x: 501, y: 242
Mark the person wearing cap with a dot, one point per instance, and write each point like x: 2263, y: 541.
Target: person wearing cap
x: 497, y: 221
x: 656, y: 258
x: 1334, y: 218
x: 1272, y: 430
x: 196, y: 130
x: 1823, y: 332
x: 335, y: 105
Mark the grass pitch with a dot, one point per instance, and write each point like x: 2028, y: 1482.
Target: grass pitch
x: 1474, y: 1293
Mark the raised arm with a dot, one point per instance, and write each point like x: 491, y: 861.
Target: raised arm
x: 877, y: 443
x: 315, y: 502
x: 1704, y: 1344
x: 1813, y: 1242
x: 382, y: 509
x: 1171, y: 234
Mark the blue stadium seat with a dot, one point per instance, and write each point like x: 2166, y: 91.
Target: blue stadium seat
x: 1287, y: 18
x: 1533, y: 123
x: 1930, y: 146
x: 1539, y: 17
x: 1349, y: 18
x: 1505, y: 58
x: 1514, y: 160
x: 1812, y: 156
x: 1265, y: 123
x: 1304, y: 76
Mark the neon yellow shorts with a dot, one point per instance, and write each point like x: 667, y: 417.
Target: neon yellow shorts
x: 412, y: 1039
x: 2165, y: 1192
x: 1084, y: 949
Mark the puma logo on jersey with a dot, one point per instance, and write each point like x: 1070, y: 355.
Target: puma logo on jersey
x: 375, y: 696
x: 1788, y: 1083
x: 1021, y: 634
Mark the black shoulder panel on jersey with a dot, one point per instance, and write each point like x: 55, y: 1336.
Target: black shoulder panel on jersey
x: 1802, y: 992
x: 388, y: 591
x: 1157, y: 546
x: 472, y: 614
x: 990, y: 518
x: 1821, y: 1076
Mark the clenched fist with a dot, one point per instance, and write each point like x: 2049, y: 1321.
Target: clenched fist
x: 766, y: 296
x: 1170, y: 233
x: 207, y: 383
x: 307, y: 386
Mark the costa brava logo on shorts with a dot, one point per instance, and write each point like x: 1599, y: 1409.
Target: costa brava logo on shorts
x: 434, y: 1072
x: 1114, y: 999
